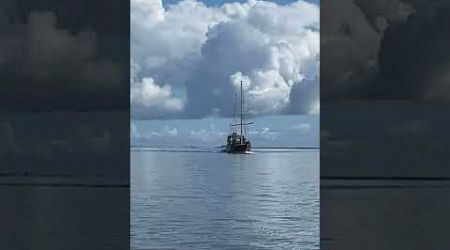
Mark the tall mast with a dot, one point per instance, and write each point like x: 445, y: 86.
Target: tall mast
x: 235, y: 111
x: 242, y: 111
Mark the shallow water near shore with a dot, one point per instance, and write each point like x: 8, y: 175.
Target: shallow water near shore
x: 203, y: 199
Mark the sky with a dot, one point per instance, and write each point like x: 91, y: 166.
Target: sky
x: 188, y: 58
x: 221, y: 2
x: 268, y: 131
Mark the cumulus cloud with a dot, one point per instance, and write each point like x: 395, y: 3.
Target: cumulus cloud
x: 41, y: 59
x: 48, y: 53
x: 169, y: 135
x: 388, y: 49
x: 265, y: 133
x: 302, y: 128
x: 192, y: 57
x: 134, y: 131
x: 206, y: 135
x: 149, y: 98
x: 303, y: 97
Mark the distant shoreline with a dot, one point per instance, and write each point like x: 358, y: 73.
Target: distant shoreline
x: 288, y: 147
x: 147, y: 146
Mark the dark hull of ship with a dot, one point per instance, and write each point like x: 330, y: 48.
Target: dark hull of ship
x: 239, y: 148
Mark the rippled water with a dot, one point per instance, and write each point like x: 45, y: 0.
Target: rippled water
x: 210, y: 200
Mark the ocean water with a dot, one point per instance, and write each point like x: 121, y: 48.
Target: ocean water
x: 56, y: 213
x: 203, y: 199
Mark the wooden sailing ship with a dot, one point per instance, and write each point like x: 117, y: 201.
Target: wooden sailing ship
x: 237, y: 142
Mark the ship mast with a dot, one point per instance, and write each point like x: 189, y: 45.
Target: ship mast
x: 242, y: 107
x: 244, y: 111
x: 242, y: 122
x: 235, y: 111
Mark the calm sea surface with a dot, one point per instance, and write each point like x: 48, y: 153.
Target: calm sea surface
x: 201, y: 199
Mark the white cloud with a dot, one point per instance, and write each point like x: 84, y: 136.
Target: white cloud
x: 315, y: 110
x: 265, y: 133
x: 151, y: 98
x: 201, y: 52
x: 171, y: 131
x: 45, y: 52
x: 169, y: 135
x: 148, y: 94
x: 302, y: 128
x: 206, y: 135
x: 134, y: 131
x: 159, y: 134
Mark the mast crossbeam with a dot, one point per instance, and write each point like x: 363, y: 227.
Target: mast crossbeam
x: 238, y: 124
